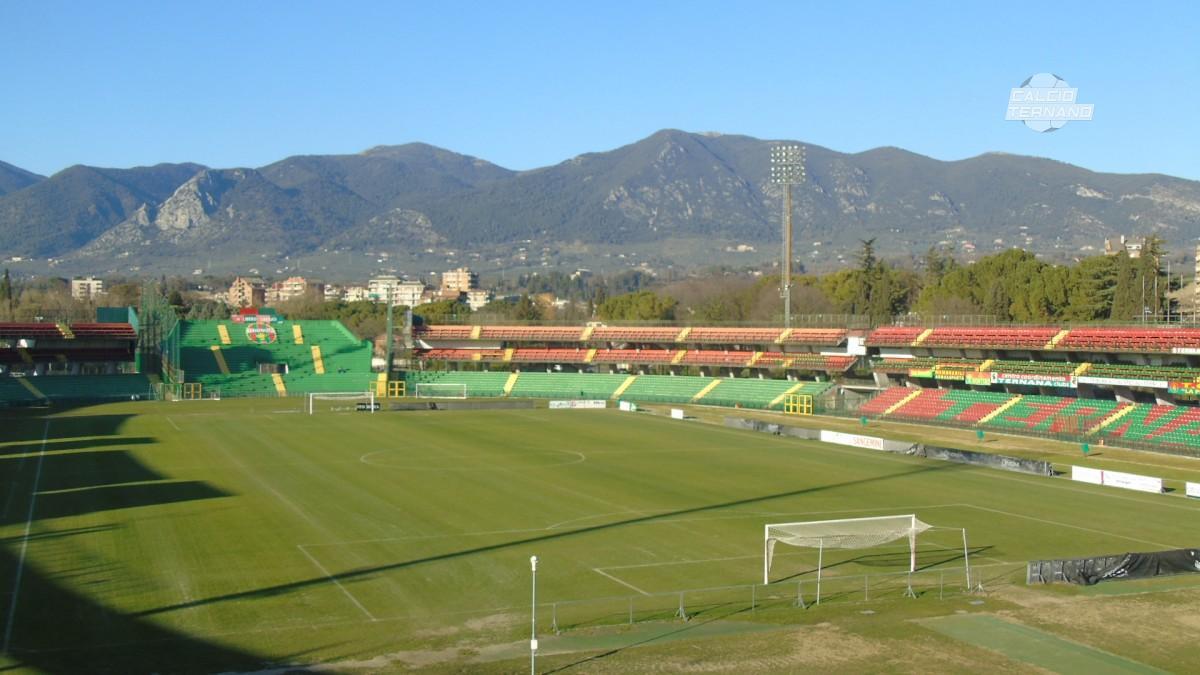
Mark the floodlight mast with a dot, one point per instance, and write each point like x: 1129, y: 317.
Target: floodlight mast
x: 787, y: 169
x: 533, y: 643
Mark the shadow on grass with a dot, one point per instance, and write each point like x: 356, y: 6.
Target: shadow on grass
x: 897, y: 560
x: 49, y: 624
x: 9, y: 451
x: 366, y: 572
x: 691, y: 625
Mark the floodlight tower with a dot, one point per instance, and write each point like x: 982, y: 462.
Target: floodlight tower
x: 533, y: 643
x: 787, y: 169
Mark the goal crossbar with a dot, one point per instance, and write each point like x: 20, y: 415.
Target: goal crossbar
x: 313, y: 397
x: 845, y: 533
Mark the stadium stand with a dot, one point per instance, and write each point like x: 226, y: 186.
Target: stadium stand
x: 893, y: 336
x: 532, y: 333
x: 443, y: 332
x: 478, y: 384
x: 743, y: 336
x: 346, y: 360
x: 666, y: 388
x: 827, y: 337
x: 949, y: 406
x: 755, y: 393
x: 567, y: 385
x: 30, y: 330
x: 536, y: 355
x: 1130, y: 339
x: 1053, y: 414
x: 1132, y: 372
x: 635, y: 334
x: 990, y: 338
x: 92, y: 387
x: 709, y: 357
x: 1167, y: 425
x: 884, y: 400
x: 650, y: 356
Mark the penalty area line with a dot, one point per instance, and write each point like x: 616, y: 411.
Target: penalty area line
x: 16, y: 592
x: 626, y: 584
x: 337, y: 583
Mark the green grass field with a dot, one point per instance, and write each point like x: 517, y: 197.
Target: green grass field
x: 218, y: 536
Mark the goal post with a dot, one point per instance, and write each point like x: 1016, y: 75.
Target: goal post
x: 846, y: 533
x: 339, y: 401
x: 440, y: 390
x: 855, y: 533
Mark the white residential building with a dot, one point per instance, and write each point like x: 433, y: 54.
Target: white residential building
x: 86, y: 289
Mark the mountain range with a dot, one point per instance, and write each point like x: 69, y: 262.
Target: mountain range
x: 673, y: 199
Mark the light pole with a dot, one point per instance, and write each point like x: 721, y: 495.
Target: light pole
x: 533, y: 620
x: 787, y: 169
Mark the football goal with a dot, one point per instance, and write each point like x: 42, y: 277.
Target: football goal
x: 334, y: 401
x: 440, y: 390
x: 851, y: 533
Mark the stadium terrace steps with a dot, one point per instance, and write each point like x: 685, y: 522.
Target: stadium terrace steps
x: 1123, y: 410
x: 478, y: 384
x: 1053, y: 414
x: 77, y: 387
x: 31, y: 387
x: 666, y: 388
x: 1000, y: 410
x: 346, y: 361
x: 567, y: 385
x: 1167, y: 425
x: 624, y: 385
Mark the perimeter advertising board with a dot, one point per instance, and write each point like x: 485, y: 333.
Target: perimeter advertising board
x: 578, y: 405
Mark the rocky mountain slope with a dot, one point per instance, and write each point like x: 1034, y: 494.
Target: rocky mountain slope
x: 666, y: 194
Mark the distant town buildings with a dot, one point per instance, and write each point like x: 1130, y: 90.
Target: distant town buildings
x: 87, y: 288
x: 1128, y: 245
x: 292, y: 288
x: 461, y: 280
x: 459, y: 285
x: 247, y: 292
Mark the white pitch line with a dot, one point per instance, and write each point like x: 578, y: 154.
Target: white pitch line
x: 173, y: 423
x: 626, y: 584
x: 1061, y: 524
x: 337, y: 583
x: 12, y: 607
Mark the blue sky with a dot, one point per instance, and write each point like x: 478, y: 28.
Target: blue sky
x: 530, y: 84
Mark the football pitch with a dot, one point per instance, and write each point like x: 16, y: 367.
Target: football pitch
x: 218, y: 536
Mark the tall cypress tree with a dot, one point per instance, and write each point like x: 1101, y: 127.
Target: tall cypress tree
x: 6, y: 294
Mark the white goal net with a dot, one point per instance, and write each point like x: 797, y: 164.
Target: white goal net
x: 440, y: 390
x: 334, y: 401
x: 846, y: 533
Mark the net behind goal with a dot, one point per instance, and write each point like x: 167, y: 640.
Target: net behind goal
x: 846, y: 533
x: 334, y: 401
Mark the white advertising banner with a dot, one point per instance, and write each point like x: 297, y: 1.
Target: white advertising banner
x: 1123, y: 382
x: 676, y: 414
x: 578, y: 405
x: 869, y: 442
x: 628, y: 406
x: 1132, y: 481
x: 1128, y: 481
x: 1085, y: 475
x: 1185, y: 350
x: 1193, y: 490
